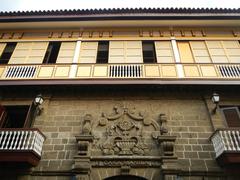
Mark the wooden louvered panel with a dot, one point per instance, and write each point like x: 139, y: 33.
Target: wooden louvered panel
x: 125, y: 52
x: 116, y: 52
x: 200, y: 52
x: 21, y: 52
x: 164, y: 52
x: 66, y: 52
x: 185, y: 52
x: 88, y: 52
x: 231, y: 44
x: 214, y: 44
x: 37, y: 53
x: 232, y: 116
x: 133, y: 52
x: 29, y: 53
x: 217, y: 52
x: 232, y: 49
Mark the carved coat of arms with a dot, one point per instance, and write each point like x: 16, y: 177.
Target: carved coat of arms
x: 124, y: 132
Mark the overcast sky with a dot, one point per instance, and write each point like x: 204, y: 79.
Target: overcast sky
x: 15, y: 5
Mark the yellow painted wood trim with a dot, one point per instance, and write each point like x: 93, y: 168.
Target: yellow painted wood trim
x: 2, y: 47
x: 61, y: 71
x: 185, y: 52
x: 120, y: 39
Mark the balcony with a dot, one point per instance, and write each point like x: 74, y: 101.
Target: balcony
x: 188, y: 73
x: 21, y: 146
x: 226, y: 143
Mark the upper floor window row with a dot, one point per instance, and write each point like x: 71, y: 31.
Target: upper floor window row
x: 90, y: 52
x: 120, y: 52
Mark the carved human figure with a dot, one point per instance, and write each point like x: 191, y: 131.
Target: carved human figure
x: 87, y: 125
x: 163, y: 120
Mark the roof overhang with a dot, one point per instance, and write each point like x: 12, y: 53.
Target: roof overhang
x: 133, y: 17
x: 118, y: 23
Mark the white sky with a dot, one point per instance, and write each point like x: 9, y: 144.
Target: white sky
x: 15, y: 5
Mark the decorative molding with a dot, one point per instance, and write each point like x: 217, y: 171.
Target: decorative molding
x: 124, y: 163
x: 167, y: 144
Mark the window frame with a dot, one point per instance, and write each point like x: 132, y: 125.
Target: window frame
x: 154, y: 52
x: 222, y: 108
x: 29, y: 119
x: 98, y: 51
x: 14, y: 44
x: 48, y: 55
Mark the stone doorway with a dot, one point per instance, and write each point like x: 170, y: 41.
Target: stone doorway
x: 125, y: 177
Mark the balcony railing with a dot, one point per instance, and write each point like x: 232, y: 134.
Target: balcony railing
x: 226, y: 143
x: 123, y: 71
x: 229, y: 71
x: 15, y: 142
x: 20, y: 71
x: 179, y: 71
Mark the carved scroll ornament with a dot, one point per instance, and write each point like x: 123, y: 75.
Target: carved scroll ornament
x: 124, y: 131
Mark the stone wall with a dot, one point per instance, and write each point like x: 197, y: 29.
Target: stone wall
x: 187, y: 118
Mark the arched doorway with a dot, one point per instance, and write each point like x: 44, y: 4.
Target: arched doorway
x: 125, y: 177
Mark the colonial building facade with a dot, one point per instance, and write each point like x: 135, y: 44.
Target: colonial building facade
x: 142, y: 94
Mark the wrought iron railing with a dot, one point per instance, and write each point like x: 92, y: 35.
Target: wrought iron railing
x: 229, y: 71
x: 131, y: 70
x: 21, y: 71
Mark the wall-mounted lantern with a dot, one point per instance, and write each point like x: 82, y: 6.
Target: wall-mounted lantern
x: 215, y: 100
x: 38, y: 100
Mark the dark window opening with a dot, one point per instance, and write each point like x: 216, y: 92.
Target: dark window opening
x: 52, y: 52
x: 102, y: 53
x: 14, y: 116
x: 149, y: 55
x: 7, y: 52
x: 232, y: 116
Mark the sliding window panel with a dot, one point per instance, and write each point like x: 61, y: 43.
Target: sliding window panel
x: 37, y: 53
x: 217, y: 52
x: 116, y: 52
x: 200, y: 52
x: 185, y: 52
x: 164, y: 52
x: 88, y: 52
x: 21, y: 53
x: 2, y: 47
x: 66, y: 52
x: 232, y: 49
x: 133, y: 52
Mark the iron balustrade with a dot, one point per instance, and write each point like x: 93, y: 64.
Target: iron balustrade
x: 230, y: 71
x: 21, y: 71
x: 123, y: 71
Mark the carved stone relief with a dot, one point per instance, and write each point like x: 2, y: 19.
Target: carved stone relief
x: 116, y: 136
x: 124, y: 131
x: 87, y: 124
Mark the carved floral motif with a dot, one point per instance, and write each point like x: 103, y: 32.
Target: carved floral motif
x: 124, y: 131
